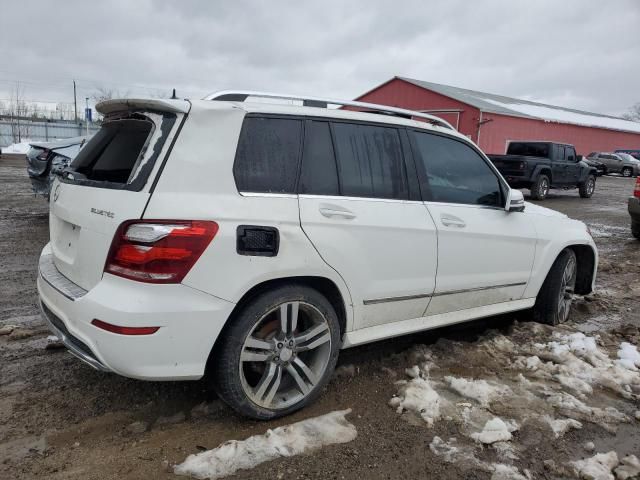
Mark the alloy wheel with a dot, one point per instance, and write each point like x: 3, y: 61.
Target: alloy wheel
x: 567, y: 287
x: 285, y: 355
x: 544, y: 188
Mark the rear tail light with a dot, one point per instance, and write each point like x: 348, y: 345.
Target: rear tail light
x: 636, y: 190
x: 158, y: 251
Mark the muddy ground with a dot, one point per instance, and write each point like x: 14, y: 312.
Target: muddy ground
x: 59, y: 419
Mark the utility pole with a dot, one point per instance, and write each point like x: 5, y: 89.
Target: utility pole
x: 75, y: 103
x: 87, y: 115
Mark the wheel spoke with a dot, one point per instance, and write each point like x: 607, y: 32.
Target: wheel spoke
x: 253, y: 342
x: 311, y: 333
x: 294, y: 317
x: 289, y: 318
x: 304, y: 384
x: 316, y: 342
x: 250, y: 356
x: 269, y: 384
x: 284, y: 318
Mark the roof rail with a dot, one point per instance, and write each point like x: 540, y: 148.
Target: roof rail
x: 242, y: 95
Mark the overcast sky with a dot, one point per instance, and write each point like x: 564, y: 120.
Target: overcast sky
x: 583, y: 54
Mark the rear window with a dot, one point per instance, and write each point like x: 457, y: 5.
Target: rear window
x: 529, y: 149
x: 122, y: 153
x: 370, y: 161
x: 267, y: 155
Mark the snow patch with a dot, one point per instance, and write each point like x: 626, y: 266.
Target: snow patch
x: 561, y: 426
x: 508, y: 472
x: 495, y: 430
x: 598, y: 467
x: 21, y: 148
x: 550, y: 113
x: 417, y: 395
x: 481, y: 391
x: 629, y: 468
x: 628, y: 356
x: 285, y: 441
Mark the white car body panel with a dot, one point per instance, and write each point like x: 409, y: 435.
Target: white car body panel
x: 388, y: 250
x: 465, y: 233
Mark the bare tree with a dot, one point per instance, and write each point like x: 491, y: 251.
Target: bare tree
x: 633, y: 113
x: 18, y: 112
x: 103, y: 93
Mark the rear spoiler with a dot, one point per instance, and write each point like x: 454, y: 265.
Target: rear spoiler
x: 119, y: 105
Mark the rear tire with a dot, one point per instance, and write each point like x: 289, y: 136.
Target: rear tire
x: 627, y: 172
x: 587, y: 188
x: 540, y: 188
x: 556, y: 294
x: 635, y: 229
x: 278, y: 352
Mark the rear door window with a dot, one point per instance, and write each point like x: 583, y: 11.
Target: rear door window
x: 319, y: 175
x: 268, y: 154
x: 370, y: 161
x: 123, y: 152
x: 454, y: 172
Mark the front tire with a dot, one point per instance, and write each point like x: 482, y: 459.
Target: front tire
x: 587, y: 188
x: 278, y: 352
x: 540, y: 188
x: 627, y: 172
x: 556, y: 295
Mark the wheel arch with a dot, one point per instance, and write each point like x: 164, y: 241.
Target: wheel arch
x: 586, y: 259
x: 324, y: 285
x: 543, y: 170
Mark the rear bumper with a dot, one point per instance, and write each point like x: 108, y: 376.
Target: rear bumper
x: 189, y: 320
x: 634, y: 208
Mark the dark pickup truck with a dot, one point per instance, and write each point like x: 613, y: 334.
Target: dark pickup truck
x: 540, y: 166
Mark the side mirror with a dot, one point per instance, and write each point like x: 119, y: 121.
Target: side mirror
x: 515, y: 201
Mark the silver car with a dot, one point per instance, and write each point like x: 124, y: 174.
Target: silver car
x: 622, y: 163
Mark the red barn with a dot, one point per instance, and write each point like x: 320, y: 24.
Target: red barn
x: 493, y: 120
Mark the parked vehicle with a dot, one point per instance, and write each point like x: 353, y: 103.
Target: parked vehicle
x: 634, y: 153
x: 541, y: 166
x: 622, y: 163
x: 254, y: 240
x: 45, y: 159
x: 634, y: 210
x: 600, y: 167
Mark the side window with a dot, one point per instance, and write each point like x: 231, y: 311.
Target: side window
x: 319, y: 175
x: 267, y: 155
x: 561, y: 155
x: 571, y: 154
x: 370, y: 161
x: 455, y: 172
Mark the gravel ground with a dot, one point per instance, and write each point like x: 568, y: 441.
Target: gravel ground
x: 59, y: 419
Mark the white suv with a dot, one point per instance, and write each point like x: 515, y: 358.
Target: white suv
x: 254, y: 240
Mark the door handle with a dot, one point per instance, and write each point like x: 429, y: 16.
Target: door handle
x: 330, y: 212
x: 452, y: 221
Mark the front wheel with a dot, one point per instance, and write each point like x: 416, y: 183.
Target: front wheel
x: 627, y: 172
x: 278, y: 353
x: 587, y: 188
x: 540, y: 188
x: 556, y: 294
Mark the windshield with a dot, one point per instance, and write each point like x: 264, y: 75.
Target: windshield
x: 528, y: 149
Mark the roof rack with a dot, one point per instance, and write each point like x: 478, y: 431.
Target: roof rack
x: 242, y: 95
